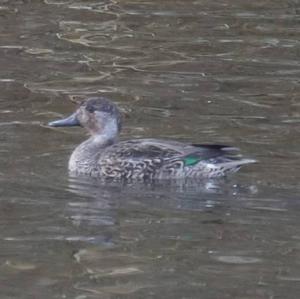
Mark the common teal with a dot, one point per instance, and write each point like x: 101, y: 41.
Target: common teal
x: 103, y: 155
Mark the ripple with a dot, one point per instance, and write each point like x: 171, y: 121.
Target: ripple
x: 56, y: 2
x: 119, y: 289
x: 19, y: 265
x: 37, y: 51
x: 233, y: 259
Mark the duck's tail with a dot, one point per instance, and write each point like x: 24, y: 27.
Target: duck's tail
x: 228, y: 166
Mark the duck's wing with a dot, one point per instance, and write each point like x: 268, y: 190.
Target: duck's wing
x: 139, y: 149
x: 140, y: 158
x: 145, y: 157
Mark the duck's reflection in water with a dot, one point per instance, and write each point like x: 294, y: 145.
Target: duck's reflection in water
x: 97, y: 201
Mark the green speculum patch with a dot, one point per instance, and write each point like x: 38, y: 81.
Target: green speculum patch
x: 190, y: 161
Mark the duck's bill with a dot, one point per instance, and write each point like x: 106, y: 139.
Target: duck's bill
x: 70, y: 121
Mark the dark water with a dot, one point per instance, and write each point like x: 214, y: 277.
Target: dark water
x: 201, y: 71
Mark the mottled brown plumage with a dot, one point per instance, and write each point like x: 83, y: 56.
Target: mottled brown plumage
x: 102, y: 155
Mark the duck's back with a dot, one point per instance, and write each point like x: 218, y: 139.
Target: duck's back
x: 164, y: 159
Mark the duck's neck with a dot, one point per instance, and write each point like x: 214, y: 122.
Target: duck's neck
x: 85, y: 157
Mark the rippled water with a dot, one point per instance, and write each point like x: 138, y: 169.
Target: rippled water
x: 201, y: 71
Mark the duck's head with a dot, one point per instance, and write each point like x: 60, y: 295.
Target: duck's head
x: 97, y: 115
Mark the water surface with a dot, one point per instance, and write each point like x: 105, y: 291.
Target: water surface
x: 196, y: 71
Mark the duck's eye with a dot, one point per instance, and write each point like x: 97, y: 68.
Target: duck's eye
x: 90, y: 108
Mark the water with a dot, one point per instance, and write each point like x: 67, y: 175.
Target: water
x: 200, y: 71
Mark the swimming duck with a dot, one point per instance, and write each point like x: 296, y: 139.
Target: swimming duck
x: 103, y: 155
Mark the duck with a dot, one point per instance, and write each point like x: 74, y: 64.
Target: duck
x: 103, y: 155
